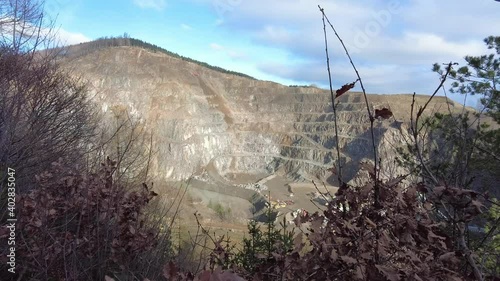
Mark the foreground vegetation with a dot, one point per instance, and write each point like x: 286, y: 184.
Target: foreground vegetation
x: 84, y: 216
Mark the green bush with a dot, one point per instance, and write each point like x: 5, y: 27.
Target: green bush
x: 222, y: 213
x: 260, y: 247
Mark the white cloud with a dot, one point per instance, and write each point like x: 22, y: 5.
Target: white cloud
x: 186, y: 26
x: 400, y: 47
x: 234, y: 54
x: 43, y: 37
x: 219, y: 22
x: 216, y: 47
x: 413, y: 48
x: 65, y: 37
x: 453, y: 18
x: 275, y: 34
x: 151, y: 4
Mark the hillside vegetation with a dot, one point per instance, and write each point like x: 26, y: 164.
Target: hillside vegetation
x: 121, y: 41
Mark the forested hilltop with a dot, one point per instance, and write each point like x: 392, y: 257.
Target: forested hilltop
x: 125, y: 40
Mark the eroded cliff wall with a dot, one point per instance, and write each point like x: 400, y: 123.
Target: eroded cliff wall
x: 226, y: 125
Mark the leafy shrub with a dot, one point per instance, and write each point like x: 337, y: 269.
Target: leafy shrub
x: 357, y: 238
x: 82, y: 227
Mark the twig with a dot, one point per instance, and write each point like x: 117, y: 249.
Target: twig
x: 179, y: 204
x: 370, y: 115
x: 322, y: 195
x: 414, y: 127
x: 334, y: 107
x: 487, y: 152
x: 443, y: 79
x: 468, y: 253
x: 316, y: 205
x: 415, y: 138
x: 415, y: 131
x: 492, y: 230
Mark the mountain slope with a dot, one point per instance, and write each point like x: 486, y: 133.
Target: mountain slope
x: 203, y: 119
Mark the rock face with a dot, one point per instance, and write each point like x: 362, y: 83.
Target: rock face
x: 226, y: 125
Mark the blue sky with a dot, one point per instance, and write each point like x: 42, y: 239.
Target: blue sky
x: 393, y: 43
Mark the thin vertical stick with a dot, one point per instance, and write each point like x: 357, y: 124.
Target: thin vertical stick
x: 370, y: 115
x: 339, y: 163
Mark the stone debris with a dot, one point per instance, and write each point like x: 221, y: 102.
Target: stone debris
x: 253, y: 186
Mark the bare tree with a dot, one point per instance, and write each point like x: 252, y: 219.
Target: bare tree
x: 127, y: 140
x: 44, y: 113
x: 23, y: 26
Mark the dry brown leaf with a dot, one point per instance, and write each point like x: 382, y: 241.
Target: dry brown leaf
x: 478, y: 206
x: 432, y: 236
x: 449, y: 257
x: 384, y: 113
x: 416, y: 277
x: 345, y: 88
x: 348, y: 260
x: 297, y: 242
x: 367, y: 256
x: 359, y: 272
x: 316, y: 224
x: 333, y: 255
x: 390, y: 273
x: 131, y: 229
x: 439, y: 190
